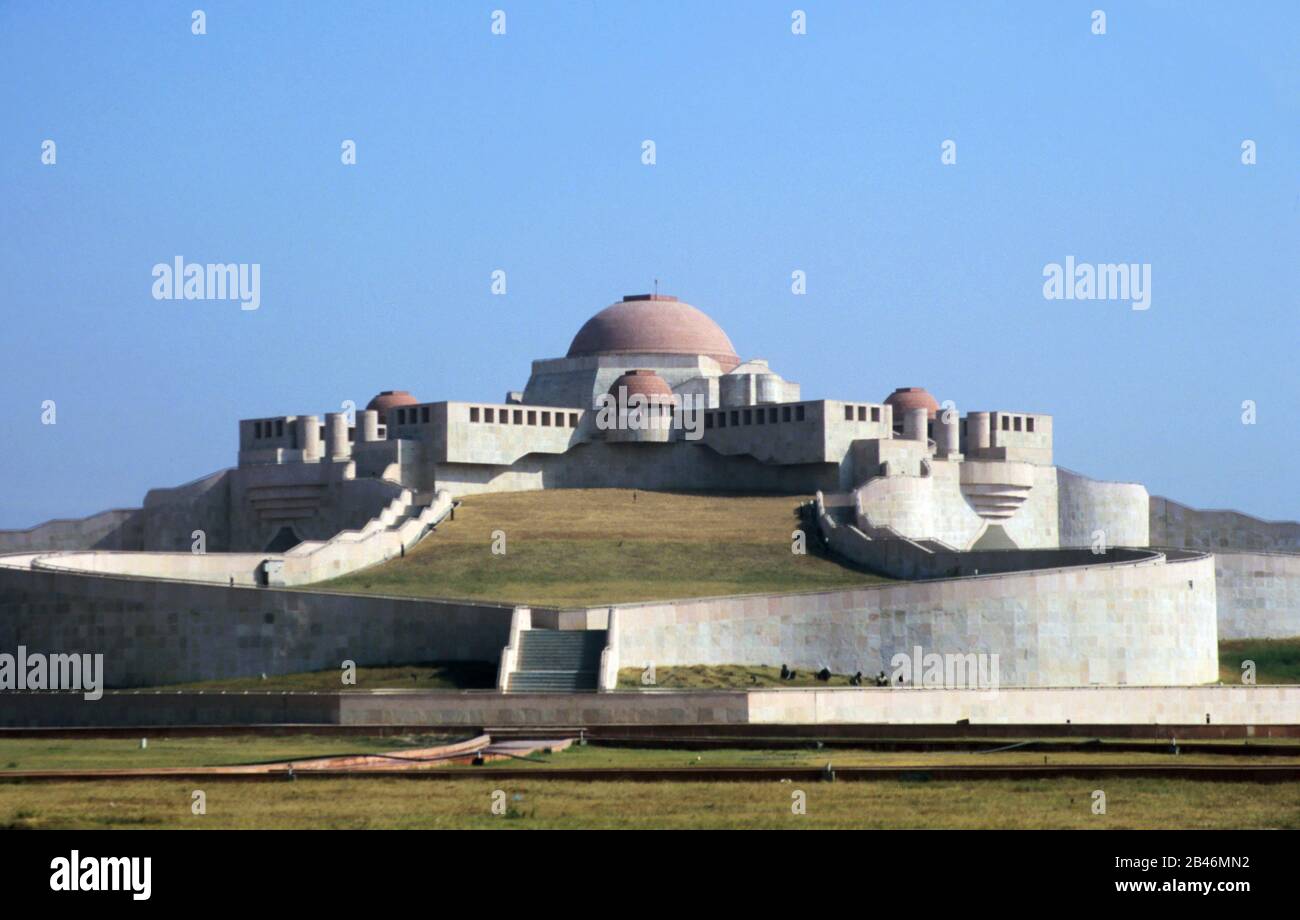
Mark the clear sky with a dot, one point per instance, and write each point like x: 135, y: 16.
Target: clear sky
x: 523, y: 152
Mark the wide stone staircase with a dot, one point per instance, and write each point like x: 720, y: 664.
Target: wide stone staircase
x: 558, y: 660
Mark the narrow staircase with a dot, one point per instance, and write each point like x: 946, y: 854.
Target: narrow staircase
x: 558, y: 660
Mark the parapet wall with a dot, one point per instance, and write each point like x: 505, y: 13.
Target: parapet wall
x: 115, y: 529
x: 1174, y: 524
x: 383, y: 537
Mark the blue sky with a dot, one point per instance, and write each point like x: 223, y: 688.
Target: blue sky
x: 522, y: 152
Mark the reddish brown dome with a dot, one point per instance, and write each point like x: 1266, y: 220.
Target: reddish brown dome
x: 905, y: 398
x: 647, y: 383
x: 390, y: 399
x: 654, y: 324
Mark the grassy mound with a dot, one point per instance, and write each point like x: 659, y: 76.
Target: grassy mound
x: 435, y: 675
x: 575, y: 547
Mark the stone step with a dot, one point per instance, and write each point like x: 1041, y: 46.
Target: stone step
x: 552, y: 680
x: 559, y: 660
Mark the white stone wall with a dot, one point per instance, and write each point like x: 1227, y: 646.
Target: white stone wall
x: 1123, y: 623
x: 170, y: 516
x: 1174, y: 524
x: 1009, y: 444
x: 1257, y: 564
x: 1061, y: 508
x: 737, y: 431
x: 115, y: 529
x: 460, y: 438
x: 326, y: 497
x: 1118, y: 509
x: 1034, y: 525
x: 160, y: 632
x: 871, y: 454
x: 905, y: 504
x: 1166, y: 710
x: 397, y: 527
x: 839, y: 433
x: 934, y: 508
x: 1259, y: 595
x: 1168, y: 706
x: 675, y: 465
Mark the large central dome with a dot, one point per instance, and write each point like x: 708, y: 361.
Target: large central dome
x: 653, y: 324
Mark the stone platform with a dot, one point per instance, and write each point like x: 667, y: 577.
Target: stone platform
x: 1093, y: 706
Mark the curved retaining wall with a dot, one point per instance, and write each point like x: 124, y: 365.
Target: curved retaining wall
x: 1149, y: 620
x: 1257, y: 563
x: 1118, y: 509
x: 1150, y: 623
x: 1174, y: 524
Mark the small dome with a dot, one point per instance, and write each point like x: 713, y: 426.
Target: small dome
x: 647, y: 383
x: 905, y: 398
x: 390, y: 399
x: 653, y: 324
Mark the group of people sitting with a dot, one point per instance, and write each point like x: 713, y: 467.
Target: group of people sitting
x: 857, y: 680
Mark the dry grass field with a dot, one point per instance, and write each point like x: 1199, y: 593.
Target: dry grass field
x: 22, y: 754
x: 576, y: 547
x: 419, y: 803
x: 435, y: 803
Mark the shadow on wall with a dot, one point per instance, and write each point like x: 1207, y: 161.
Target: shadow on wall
x: 994, y: 537
x: 285, y: 540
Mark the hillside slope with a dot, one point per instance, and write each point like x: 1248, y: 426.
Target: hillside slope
x: 593, y: 546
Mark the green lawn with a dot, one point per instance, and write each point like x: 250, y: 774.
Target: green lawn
x: 574, y: 547
x: 1277, y: 661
